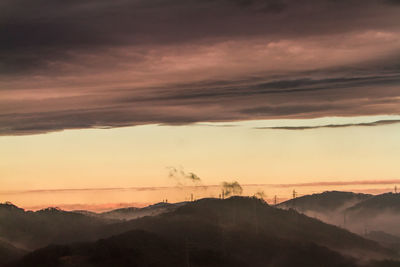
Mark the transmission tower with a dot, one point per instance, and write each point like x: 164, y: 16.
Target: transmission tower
x: 294, y: 198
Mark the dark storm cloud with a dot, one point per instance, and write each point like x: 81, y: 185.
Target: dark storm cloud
x: 218, y: 101
x: 279, y: 87
x: 36, y: 33
x: 102, y: 64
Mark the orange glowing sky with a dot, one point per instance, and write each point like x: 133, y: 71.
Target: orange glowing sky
x: 139, y: 156
x: 108, y: 94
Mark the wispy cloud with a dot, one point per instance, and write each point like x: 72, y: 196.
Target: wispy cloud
x: 374, y: 123
x: 201, y: 187
x: 61, y: 190
x: 340, y: 183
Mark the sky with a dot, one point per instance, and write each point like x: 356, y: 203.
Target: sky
x: 111, y: 94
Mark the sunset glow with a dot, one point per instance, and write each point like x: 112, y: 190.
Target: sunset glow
x: 262, y: 92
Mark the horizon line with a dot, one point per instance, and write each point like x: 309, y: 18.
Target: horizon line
x: 143, y: 188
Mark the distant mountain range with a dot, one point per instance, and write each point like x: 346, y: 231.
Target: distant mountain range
x: 134, y: 213
x: 238, y: 231
x: 374, y: 205
x: 330, y: 201
x: 32, y: 230
x: 359, y: 213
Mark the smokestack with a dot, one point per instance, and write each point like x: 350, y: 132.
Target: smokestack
x: 191, y: 197
x: 231, y: 189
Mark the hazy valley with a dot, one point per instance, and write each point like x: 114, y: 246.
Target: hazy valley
x: 238, y: 231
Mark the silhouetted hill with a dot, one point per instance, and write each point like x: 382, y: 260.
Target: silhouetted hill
x: 378, y: 213
x: 360, y: 213
x: 385, y: 239
x: 377, y: 204
x: 86, y: 212
x: 141, y: 248
x: 326, y: 202
x: 133, y: 213
x: 248, y: 215
x: 9, y: 253
x: 213, y: 232
x: 32, y: 230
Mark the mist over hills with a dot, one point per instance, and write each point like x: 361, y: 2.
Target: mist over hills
x: 133, y: 213
x: 329, y: 201
x: 378, y: 213
x: 376, y: 204
x: 359, y: 213
x: 329, y: 206
x: 385, y: 239
x: 238, y: 231
x: 31, y: 230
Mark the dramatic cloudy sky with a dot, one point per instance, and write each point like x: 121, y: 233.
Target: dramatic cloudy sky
x: 82, y: 64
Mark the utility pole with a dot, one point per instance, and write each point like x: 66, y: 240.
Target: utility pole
x: 395, y: 189
x: 191, y: 197
x: 294, y: 193
x: 294, y: 198
x: 275, y: 200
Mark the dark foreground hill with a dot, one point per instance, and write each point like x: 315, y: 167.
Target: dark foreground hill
x: 32, y: 230
x: 213, y: 232
x: 141, y: 248
x: 9, y: 253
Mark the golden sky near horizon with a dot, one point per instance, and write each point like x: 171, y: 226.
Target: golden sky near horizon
x: 139, y: 156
